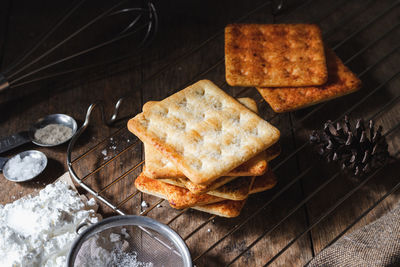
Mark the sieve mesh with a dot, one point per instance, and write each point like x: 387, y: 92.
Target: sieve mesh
x: 127, y: 244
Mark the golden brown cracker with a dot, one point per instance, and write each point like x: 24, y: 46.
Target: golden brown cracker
x: 178, y: 197
x: 158, y: 167
x: 227, y: 208
x: 237, y: 188
x: 198, y: 188
x: 203, y: 131
x: 263, y: 183
x: 274, y: 55
x: 341, y: 81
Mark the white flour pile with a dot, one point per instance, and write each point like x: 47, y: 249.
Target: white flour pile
x: 24, y: 168
x: 109, y: 249
x: 39, y: 230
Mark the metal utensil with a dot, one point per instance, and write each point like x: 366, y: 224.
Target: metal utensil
x: 24, y: 137
x: 150, y: 240
x: 5, y: 166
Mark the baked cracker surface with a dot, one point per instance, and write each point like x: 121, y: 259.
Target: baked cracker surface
x: 227, y: 208
x: 235, y: 189
x: 158, y: 167
x: 203, y: 131
x: 224, y: 208
x: 177, y: 197
x: 341, y: 81
x: 276, y: 55
x: 263, y: 183
x: 198, y: 188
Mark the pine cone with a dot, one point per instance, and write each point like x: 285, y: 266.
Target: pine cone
x: 359, y: 150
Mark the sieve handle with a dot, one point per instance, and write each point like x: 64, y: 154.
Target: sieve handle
x: 14, y: 141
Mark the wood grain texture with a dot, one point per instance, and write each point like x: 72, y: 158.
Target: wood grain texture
x: 355, y: 17
x: 190, y: 47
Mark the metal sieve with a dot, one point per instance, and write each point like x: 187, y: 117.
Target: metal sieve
x: 129, y: 241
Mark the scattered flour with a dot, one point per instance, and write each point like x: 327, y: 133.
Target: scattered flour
x: 20, y: 169
x: 39, y: 230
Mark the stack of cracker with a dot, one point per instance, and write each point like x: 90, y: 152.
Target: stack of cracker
x: 287, y: 63
x: 205, y: 150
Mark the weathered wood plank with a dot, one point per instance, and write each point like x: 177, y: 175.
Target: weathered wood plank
x: 210, y: 65
x: 185, y: 29
x: 338, y: 26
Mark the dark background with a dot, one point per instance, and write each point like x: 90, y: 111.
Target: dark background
x: 187, y: 47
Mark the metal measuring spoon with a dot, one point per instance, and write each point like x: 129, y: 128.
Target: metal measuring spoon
x: 5, y: 166
x: 24, y: 137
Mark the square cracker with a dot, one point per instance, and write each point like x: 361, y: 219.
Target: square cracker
x: 225, y: 208
x: 196, y: 188
x: 177, y: 197
x: 157, y: 166
x: 237, y: 189
x: 232, y: 189
x: 263, y: 183
x: 276, y: 55
x: 341, y: 81
x: 203, y: 131
x: 231, y: 208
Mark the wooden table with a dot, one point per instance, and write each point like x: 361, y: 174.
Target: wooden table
x: 189, y: 47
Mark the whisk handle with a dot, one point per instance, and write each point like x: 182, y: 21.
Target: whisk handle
x: 3, y: 83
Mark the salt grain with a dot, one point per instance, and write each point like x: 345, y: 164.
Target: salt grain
x: 53, y: 134
x: 20, y: 169
x: 144, y: 204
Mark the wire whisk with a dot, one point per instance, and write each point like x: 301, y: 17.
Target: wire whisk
x: 140, y: 22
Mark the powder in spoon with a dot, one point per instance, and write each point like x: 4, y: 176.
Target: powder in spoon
x: 53, y: 134
x: 20, y: 169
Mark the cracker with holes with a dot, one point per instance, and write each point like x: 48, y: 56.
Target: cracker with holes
x: 182, y: 198
x: 193, y: 187
x: 235, y: 189
x: 177, y: 197
x: 274, y: 55
x: 157, y: 166
x: 203, y: 131
x: 231, y: 208
x: 227, y: 208
x: 341, y: 81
